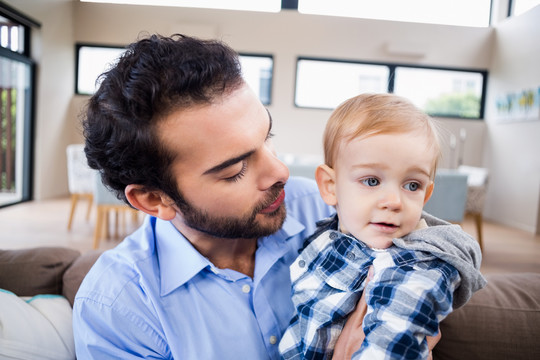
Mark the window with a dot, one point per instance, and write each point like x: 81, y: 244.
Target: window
x: 442, y: 93
x: 439, y: 92
x: 16, y: 104
x: 93, y: 60
x: 455, y: 12
x: 249, y: 5
x: 521, y: 6
x: 11, y: 35
x: 325, y: 84
x: 257, y: 71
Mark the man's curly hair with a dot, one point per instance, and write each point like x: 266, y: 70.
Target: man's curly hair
x: 153, y: 78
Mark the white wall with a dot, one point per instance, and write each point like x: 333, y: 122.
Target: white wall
x: 512, y: 151
x: 52, y: 50
x: 286, y: 35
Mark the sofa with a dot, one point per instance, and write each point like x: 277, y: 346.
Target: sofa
x: 501, y: 321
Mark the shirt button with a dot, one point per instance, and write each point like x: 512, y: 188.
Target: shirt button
x: 273, y: 340
x: 246, y: 289
x: 333, y: 235
x: 350, y: 255
x: 301, y: 263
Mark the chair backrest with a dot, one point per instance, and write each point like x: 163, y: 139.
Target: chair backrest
x: 449, y: 196
x: 478, y: 182
x: 477, y: 176
x: 102, y: 195
x: 80, y: 175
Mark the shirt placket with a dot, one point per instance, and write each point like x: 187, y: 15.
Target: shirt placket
x: 258, y: 303
x: 263, y: 309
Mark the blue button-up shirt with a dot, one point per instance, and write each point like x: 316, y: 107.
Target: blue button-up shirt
x: 155, y: 296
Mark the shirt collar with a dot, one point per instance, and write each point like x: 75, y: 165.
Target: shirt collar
x: 290, y: 227
x: 179, y: 261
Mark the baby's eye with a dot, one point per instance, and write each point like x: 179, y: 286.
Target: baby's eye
x: 412, y: 186
x: 370, y: 181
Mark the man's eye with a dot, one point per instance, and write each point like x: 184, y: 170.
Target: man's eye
x: 239, y: 175
x: 412, y: 186
x: 370, y: 182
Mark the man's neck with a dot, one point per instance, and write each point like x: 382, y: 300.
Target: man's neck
x: 234, y: 254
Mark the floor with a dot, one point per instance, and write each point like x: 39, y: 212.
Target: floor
x: 44, y: 223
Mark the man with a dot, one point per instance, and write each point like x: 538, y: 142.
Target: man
x: 175, y: 131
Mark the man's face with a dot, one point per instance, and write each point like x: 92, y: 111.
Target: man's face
x: 226, y: 169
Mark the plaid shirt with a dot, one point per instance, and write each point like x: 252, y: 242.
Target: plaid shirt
x: 410, y: 293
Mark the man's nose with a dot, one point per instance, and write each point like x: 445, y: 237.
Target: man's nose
x: 275, y: 171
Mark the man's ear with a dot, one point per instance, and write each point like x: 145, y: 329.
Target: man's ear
x: 326, y: 180
x: 153, y: 203
x: 429, y: 192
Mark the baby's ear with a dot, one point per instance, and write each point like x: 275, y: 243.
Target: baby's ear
x: 326, y: 180
x: 429, y: 192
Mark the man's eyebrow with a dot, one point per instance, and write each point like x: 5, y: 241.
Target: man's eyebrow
x: 228, y: 163
x: 239, y: 158
x: 271, y: 123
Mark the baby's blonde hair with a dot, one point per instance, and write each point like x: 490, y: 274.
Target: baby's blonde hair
x: 374, y: 114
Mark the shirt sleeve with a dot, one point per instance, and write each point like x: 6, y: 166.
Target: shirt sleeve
x: 406, y: 304
x: 104, y: 331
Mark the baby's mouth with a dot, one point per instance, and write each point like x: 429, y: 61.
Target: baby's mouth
x: 385, y: 227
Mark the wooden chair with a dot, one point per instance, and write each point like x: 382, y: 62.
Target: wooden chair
x: 449, y: 196
x: 107, y: 203
x: 477, y: 180
x: 80, y: 179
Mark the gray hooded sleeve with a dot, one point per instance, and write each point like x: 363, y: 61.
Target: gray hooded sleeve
x: 454, y: 246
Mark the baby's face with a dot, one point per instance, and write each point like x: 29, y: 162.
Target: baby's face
x: 382, y: 183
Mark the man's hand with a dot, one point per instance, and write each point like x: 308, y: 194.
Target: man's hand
x: 431, y: 342
x: 352, y: 335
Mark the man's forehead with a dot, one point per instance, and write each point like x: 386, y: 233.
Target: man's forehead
x: 232, y: 125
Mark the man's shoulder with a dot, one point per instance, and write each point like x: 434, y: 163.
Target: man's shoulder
x: 118, y: 270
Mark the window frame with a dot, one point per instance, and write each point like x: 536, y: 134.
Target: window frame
x: 391, y: 80
x: 78, y: 47
x: 271, y: 84
x: 27, y: 136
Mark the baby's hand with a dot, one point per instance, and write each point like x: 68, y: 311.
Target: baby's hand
x: 352, y: 335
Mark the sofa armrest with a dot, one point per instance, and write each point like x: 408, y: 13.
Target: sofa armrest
x: 501, y: 321
x: 75, y: 274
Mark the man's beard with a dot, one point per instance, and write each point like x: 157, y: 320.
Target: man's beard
x: 246, y: 227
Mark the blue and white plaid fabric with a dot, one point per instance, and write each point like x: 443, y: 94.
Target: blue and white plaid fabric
x: 410, y: 293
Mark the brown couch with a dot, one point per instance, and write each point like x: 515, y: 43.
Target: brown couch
x: 502, y: 321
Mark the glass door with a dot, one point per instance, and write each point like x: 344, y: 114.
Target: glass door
x: 15, y: 128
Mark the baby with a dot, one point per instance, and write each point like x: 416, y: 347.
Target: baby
x: 381, y: 153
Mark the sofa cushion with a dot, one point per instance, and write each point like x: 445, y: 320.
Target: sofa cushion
x: 28, y: 272
x: 75, y: 274
x: 35, y: 328
x: 501, y: 321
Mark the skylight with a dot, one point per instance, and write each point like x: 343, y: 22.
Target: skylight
x: 456, y: 12
x: 249, y: 5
